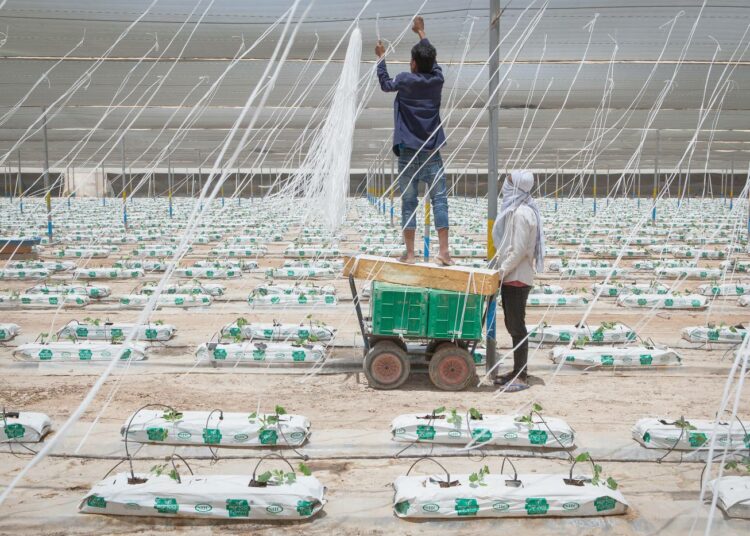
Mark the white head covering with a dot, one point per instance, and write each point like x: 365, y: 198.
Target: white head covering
x: 514, y: 195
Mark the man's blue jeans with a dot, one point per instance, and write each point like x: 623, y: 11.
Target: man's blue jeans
x: 425, y: 166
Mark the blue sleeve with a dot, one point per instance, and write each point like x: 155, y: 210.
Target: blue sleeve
x: 436, y: 69
x: 387, y: 83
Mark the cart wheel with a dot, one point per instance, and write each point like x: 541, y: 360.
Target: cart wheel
x: 452, y: 368
x: 386, y: 366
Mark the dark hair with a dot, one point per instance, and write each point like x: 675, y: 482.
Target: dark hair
x: 424, y: 56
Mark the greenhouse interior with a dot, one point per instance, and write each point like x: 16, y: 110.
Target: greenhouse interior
x: 509, y: 239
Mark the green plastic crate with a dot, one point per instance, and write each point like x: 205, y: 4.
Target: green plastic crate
x: 398, y: 310
x: 454, y: 315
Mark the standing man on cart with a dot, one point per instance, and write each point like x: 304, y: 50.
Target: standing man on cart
x: 417, y: 138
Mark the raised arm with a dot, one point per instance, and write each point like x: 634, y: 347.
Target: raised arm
x: 387, y: 83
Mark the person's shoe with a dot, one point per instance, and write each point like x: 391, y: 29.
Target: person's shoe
x: 504, y: 378
x: 515, y: 386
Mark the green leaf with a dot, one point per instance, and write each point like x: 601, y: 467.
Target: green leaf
x: 583, y: 457
x: 439, y: 410
x: 474, y: 414
x: 611, y: 483
x: 304, y: 469
x: 265, y: 477
x: 537, y: 407
x: 280, y: 410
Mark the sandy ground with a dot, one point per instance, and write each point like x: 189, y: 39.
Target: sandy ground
x: 356, y: 463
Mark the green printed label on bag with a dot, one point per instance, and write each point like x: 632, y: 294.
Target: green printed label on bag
x: 536, y: 506
x: 184, y: 435
x: 151, y: 333
x: 303, y: 333
x: 695, y: 303
x: 53, y: 300
x: 481, y: 435
x: 14, y: 431
x: 570, y: 358
x: 203, y: 508
x: 84, y: 354
x: 116, y: 332
x: 425, y: 432
x: 597, y: 336
x: 82, y: 332
x: 220, y: 353
x: 570, y: 506
x: 642, y: 301
x: 298, y: 355
x: 697, y: 439
x: 275, y: 299
x: 211, y: 436
x: 179, y: 301
x: 305, y: 508
x: 238, y: 508
x: 166, y: 505
x: 329, y: 299
x: 564, y: 336
x: 646, y: 437
x: 45, y: 354
x: 25, y: 301
x: 466, y: 507
x: 669, y: 302
x: 604, y: 503
x: 259, y: 355
x: 156, y: 434
x: 431, y: 507
x: 561, y: 301
x: 537, y: 437
x: 501, y: 506
x: 268, y: 437
x: 607, y: 360
x: 402, y: 507
x: 94, y: 501
x: 646, y: 359
x: 613, y: 292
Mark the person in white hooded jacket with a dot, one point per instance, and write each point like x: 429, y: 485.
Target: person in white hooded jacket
x: 518, y: 235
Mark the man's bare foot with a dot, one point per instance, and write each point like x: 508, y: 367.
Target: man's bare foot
x: 407, y: 259
x: 444, y: 259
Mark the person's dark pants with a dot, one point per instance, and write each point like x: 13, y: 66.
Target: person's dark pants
x: 514, y: 310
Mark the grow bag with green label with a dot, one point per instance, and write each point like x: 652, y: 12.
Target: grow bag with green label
x: 259, y: 352
x: 287, y: 300
x: 208, y: 272
x: 209, y: 289
x: 233, y: 430
x: 613, y: 291
x: 28, y: 427
x: 51, y: 301
x: 92, y: 291
x: 145, y: 265
x: 498, y: 430
x: 686, y: 272
x: 182, y: 301
x: 83, y: 253
x: 278, y: 331
x: 558, y: 300
x: 105, y: 331
x: 538, y: 495
x: 306, y: 290
x: 610, y: 356
x: 108, y: 273
x: 239, y: 252
x: 23, y: 274
x: 691, y: 434
x: 724, y: 289
x: 722, y: 334
x: 79, y: 351
x: 205, y: 497
x: 310, y: 252
x: 663, y: 301
x: 8, y: 331
x: 560, y: 333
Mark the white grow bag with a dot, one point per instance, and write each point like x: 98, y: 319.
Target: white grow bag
x: 500, y: 430
x: 300, y: 272
x: 723, y: 334
x: 663, y: 301
x: 744, y: 301
x: 561, y: 333
x: 8, y: 331
x: 214, y: 496
x: 23, y: 274
x: 108, y: 273
x: 724, y: 289
x: 277, y: 332
x: 609, y: 356
x: 51, y: 301
x: 234, y: 430
x: 293, y: 300
x: 308, y: 290
x: 614, y: 291
x: 540, y: 495
x: 183, y: 301
x: 663, y: 434
x: 689, y: 273
x: 92, y: 291
x: 82, y: 351
x: 559, y: 300
x: 240, y: 252
x: 733, y: 495
x: 105, y: 331
x: 306, y: 252
x: 28, y: 427
x: 259, y: 352
x: 594, y: 271
x: 83, y: 253
x: 208, y: 272
x: 209, y: 289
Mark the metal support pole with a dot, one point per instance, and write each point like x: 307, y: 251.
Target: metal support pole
x: 122, y: 153
x: 492, y: 175
x: 557, y: 176
x: 170, y: 182
x: 594, y: 190
x: 731, y: 187
x: 48, y: 193
x: 19, y: 179
x: 608, y: 192
x: 656, y: 174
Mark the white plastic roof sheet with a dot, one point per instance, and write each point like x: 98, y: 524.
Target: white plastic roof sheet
x: 41, y: 31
